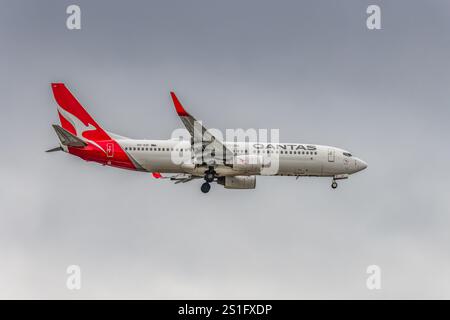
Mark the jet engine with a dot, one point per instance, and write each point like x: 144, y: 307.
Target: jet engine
x: 238, y: 182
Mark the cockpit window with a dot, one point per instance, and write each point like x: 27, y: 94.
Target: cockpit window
x: 347, y: 154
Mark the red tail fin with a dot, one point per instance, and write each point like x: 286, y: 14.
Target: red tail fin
x: 74, y: 118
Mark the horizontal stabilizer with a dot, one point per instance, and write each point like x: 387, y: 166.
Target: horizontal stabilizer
x: 68, y: 139
x: 55, y: 149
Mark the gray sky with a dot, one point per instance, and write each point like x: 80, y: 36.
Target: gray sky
x: 310, y: 68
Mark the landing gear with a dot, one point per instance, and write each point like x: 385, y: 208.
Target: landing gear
x: 205, y: 187
x: 334, y: 184
x: 210, y: 174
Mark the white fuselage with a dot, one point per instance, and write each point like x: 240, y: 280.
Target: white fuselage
x: 289, y: 159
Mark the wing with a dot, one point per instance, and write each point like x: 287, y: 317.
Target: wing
x: 207, y: 149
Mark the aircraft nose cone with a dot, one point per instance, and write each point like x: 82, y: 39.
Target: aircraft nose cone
x: 361, y: 164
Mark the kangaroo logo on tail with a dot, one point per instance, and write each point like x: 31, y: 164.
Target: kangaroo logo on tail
x: 75, y: 119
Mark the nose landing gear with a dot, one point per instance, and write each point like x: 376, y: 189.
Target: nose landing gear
x: 338, y: 177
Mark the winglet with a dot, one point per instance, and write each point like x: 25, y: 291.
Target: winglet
x: 157, y: 175
x: 180, y: 110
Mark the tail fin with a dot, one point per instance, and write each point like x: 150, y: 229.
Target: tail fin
x: 74, y: 118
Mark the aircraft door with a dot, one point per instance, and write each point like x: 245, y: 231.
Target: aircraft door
x: 331, y: 155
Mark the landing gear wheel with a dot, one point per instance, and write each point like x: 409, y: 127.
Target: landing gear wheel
x: 334, y: 185
x: 209, y: 176
x: 205, y: 187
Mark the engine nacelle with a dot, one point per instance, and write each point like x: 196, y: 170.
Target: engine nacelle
x: 238, y: 182
x: 248, y: 163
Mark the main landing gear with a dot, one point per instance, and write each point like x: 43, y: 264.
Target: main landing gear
x: 205, y: 187
x: 210, y: 175
x: 334, y: 184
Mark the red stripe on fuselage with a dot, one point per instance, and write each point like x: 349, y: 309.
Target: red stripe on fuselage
x: 91, y: 152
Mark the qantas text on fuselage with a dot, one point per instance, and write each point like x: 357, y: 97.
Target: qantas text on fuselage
x: 234, y: 165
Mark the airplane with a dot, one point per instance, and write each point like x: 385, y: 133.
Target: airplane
x: 234, y: 165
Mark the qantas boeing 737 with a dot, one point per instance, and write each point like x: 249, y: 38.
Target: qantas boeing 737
x: 234, y: 165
